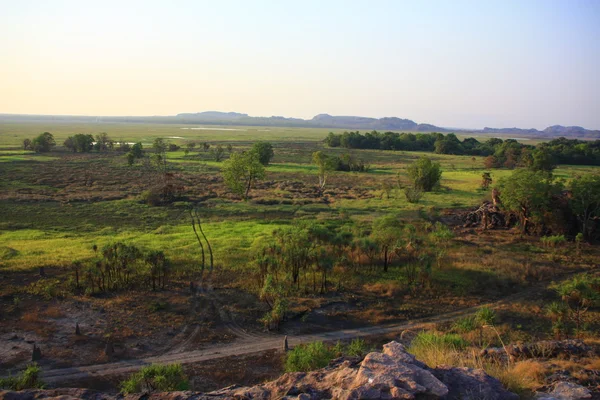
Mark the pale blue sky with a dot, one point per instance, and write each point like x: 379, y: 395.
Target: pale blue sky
x: 451, y: 63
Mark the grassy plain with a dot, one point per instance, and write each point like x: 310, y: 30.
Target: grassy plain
x: 54, y: 208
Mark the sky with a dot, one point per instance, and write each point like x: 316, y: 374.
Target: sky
x: 459, y: 63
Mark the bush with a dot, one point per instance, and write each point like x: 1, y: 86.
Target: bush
x: 308, y: 357
x: 413, y: 194
x: 425, y: 174
x: 151, y: 197
x: 553, y: 241
x: 29, y: 379
x: 156, y: 378
x: 465, y: 325
x: 485, y: 316
x: 264, y: 151
x: 357, y: 348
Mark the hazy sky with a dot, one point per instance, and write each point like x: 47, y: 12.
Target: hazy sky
x: 452, y: 63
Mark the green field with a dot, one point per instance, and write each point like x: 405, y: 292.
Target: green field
x: 62, y: 224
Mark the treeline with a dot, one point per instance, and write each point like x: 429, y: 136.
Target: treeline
x: 506, y: 153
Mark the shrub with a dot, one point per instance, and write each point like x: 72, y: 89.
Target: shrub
x: 357, y: 348
x: 264, y: 151
x: 553, y: 241
x: 156, y: 378
x: 425, y: 174
x: 485, y: 316
x: 466, y: 324
x: 413, y: 194
x: 151, y: 197
x: 28, y: 379
x: 308, y: 357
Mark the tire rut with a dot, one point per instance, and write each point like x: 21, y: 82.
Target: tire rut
x: 245, y: 347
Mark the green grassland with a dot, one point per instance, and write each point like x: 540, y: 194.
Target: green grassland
x: 50, y: 217
x: 60, y: 229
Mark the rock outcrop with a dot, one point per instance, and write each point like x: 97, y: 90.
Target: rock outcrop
x: 392, y: 374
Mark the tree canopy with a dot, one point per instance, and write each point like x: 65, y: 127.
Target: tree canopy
x: 425, y: 174
x: 240, y: 171
x: 264, y: 151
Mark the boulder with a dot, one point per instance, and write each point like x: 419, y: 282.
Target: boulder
x: 565, y: 391
x: 391, y: 374
x: 471, y: 384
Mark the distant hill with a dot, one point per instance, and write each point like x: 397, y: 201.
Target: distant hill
x: 318, y: 121
x: 551, y: 131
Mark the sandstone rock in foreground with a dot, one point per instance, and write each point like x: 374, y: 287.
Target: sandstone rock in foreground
x: 391, y: 374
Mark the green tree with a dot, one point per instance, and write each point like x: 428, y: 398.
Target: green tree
x: 218, y: 153
x: 80, y: 143
x: 27, y: 145
x: 264, y: 150
x: 387, y: 232
x: 542, y: 160
x: 579, y: 294
x: 135, y: 152
x: 103, y: 142
x: 325, y: 164
x: 43, y: 143
x: 160, y: 147
x: 528, y: 194
x: 189, y: 146
x: 425, y: 174
x: 241, y: 171
x: 585, y: 201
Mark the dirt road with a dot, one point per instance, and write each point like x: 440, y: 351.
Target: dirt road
x: 242, y: 346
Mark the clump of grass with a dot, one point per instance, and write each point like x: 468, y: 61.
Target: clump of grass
x: 28, y: 379
x: 434, y: 348
x: 465, y: 325
x: 156, y: 378
x: 553, y: 241
x: 304, y: 358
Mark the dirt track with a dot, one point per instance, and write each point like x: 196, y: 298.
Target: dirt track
x: 243, y: 347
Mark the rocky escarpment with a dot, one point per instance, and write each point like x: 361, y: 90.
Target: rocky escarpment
x: 392, y: 374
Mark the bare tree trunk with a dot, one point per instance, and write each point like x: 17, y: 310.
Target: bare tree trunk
x: 206, y: 240
x: 199, y: 242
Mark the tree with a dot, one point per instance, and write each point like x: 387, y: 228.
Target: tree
x: 241, y: 171
x: 103, y: 142
x: 160, y: 154
x: 136, y: 152
x: 529, y: 194
x: 218, y: 153
x: 80, y: 143
x: 27, y: 145
x: 325, y: 165
x: 585, y: 201
x: 578, y: 294
x: 43, y: 143
x: 542, y: 160
x: 189, y: 146
x: 425, y: 174
x: 387, y: 232
x: 264, y: 151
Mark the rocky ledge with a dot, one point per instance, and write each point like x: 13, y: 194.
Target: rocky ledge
x: 392, y: 374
